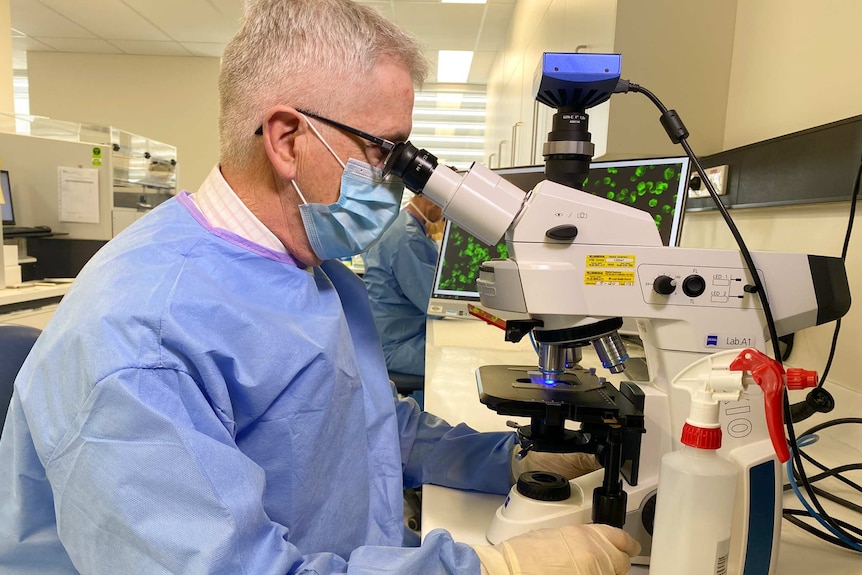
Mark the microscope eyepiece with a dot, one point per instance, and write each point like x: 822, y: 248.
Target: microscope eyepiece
x: 412, y: 165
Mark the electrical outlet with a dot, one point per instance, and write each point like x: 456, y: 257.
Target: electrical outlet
x: 718, y: 177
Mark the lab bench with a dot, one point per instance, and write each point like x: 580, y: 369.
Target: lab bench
x: 455, y: 348
x: 32, y: 304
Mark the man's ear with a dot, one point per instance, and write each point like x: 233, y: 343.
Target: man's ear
x: 282, y: 127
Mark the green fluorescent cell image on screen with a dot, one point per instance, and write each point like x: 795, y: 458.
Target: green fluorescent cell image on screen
x: 651, y: 185
x: 462, y: 257
x: 651, y: 188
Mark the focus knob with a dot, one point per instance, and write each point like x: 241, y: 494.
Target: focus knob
x: 544, y: 486
x: 693, y: 285
x: 664, y: 285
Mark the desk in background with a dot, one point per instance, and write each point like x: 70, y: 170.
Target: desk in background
x: 32, y: 305
x: 455, y: 348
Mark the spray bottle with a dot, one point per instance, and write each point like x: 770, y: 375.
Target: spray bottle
x: 697, y: 487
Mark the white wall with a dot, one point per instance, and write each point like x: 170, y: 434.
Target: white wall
x: 7, y: 98
x: 664, y: 48
x: 794, y: 67
x: 681, y: 51
x: 167, y: 98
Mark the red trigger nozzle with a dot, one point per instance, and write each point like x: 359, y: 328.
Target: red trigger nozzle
x: 769, y: 375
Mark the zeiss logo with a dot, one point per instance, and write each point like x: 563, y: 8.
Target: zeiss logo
x: 728, y: 341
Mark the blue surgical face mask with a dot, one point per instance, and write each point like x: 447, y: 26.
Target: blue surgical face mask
x: 367, y: 205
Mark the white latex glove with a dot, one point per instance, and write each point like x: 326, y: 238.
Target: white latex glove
x: 570, y: 550
x: 569, y: 465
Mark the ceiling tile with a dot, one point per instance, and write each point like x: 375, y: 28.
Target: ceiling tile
x: 202, y: 27
x: 188, y: 20
x: 205, y: 49
x: 107, y: 19
x: 229, y: 8
x: 441, y: 26
x: 22, y: 45
x: 82, y: 45
x: 35, y: 19
x: 143, y: 48
x: 26, y: 43
x: 495, y: 28
x: 480, y: 69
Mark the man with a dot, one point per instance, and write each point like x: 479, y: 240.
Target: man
x: 210, y: 397
x: 399, y: 271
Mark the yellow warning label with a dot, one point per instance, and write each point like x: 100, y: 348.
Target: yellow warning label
x: 609, y: 278
x: 610, y: 261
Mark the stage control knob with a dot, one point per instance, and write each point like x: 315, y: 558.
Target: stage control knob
x: 664, y: 285
x: 693, y: 285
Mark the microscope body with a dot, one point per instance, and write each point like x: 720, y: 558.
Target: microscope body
x: 577, y: 265
x: 576, y: 261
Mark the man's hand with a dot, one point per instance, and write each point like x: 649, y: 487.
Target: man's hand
x: 569, y: 465
x: 570, y: 550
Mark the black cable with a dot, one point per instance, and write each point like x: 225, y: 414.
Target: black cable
x: 832, y: 472
x: 828, y: 495
x: 678, y: 134
x: 832, y: 423
x: 804, y: 513
x: 790, y: 516
x: 828, y: 472
x: 853, y: 198
x: 680, y: 137
x: 826, y: 425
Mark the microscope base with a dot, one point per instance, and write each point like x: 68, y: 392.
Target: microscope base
x: 520, y: 514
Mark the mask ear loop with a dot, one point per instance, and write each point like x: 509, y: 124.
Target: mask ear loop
x: 328, y: 147
x: 325, y: 143
x: 301, y: 197
x: 421, y: 213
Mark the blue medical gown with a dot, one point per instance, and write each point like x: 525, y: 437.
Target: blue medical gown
x: 399, y: 271
x: 198, y: 404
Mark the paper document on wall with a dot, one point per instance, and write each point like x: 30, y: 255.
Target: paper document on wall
x: 78, y: 194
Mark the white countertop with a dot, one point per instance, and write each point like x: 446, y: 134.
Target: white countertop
x: 455, y: 348
x: 10, y: 296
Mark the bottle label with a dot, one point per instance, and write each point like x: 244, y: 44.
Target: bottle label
x: 722, y: 553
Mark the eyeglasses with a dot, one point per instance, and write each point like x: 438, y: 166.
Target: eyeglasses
x: 386, y: 145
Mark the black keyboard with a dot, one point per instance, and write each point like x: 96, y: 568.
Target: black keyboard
x: 12, y: 231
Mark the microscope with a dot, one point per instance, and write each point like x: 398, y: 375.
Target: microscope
x: 577, y: 265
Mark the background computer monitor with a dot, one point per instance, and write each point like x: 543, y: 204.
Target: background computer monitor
x: 658, y: 186
x: 6, y: 204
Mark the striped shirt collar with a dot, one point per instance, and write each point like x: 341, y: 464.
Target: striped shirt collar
x: 223, y: 209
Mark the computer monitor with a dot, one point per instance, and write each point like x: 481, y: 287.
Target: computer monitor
x: 6, y: 201
x: 658, y: 186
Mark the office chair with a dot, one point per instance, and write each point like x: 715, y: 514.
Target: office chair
x: 16, y: 341
x: 409, y: 385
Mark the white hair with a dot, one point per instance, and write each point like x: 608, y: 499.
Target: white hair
x: 304, y: 53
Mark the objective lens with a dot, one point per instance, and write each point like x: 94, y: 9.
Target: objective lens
x: 612, y: 352
x: 552, y: 359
